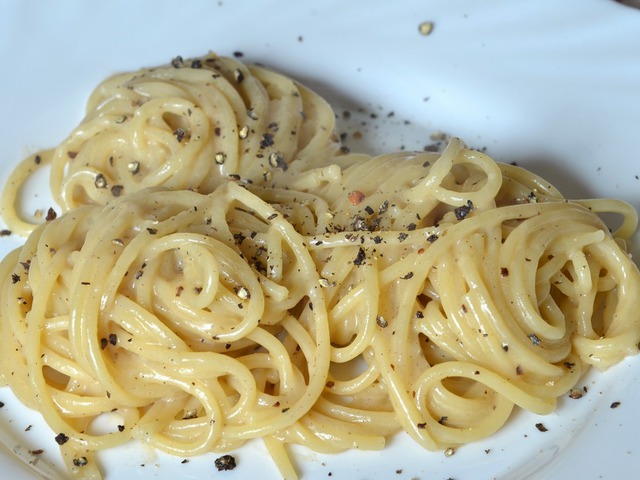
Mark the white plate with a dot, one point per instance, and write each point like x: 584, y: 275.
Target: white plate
x: 554, y: 86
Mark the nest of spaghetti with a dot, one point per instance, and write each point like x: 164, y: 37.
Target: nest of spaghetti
x: 351, y: 305
x: 193, y: 124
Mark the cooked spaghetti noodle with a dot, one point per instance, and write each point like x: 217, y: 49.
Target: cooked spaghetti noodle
x: 188, y: 125
x: 330, y: 308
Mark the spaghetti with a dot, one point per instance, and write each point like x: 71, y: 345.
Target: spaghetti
x: 330, y: 306
x: 188, y: 125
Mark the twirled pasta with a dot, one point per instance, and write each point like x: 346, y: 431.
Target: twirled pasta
x: 460, y: 288
x: 149, y: 308
x: 209, y: 283
x: 188, y: 125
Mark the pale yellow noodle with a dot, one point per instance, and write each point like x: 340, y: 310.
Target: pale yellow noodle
x: 188, y: 125
x: 248, y: 283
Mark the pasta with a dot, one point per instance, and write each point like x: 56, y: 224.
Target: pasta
x: 464, y: 277
x: 188, y: 125
x: 329, y: 305
x: 147, y: 308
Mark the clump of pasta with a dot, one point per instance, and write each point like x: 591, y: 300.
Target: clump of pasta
x: 220, y: 274
x: 432, y: 301
x: 188, y: 125
x: 153, y: 310
x: 458, y: 288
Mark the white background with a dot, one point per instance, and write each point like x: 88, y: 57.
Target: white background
x: 554, y: 86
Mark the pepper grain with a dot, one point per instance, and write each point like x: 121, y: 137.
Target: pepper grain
x: 225, y: 462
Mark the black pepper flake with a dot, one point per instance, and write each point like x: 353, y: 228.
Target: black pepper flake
x: 80, y: 462
x: 238, y: 54
x: 360, y: 257
x: 358, y: 224
x: 407, y: 276
x: 575, y: 393
x: 615, y: 405
x: 267, y: 140
x: 421, y: 426
x: 51, y: 215
x: 152, y: 231
x: 177, y: 62
x: 5, y: 233
x: 36, y: 452
x: 534, y: 338
x: 519, y: 370
x: 197, y: 63
x: 569, y: 364
x: 103, y: 343
x: 369, y: 210
x: 238, y: 75
x: 133, y: 167
x: 15, y: 278
x: 402, y: 236
x: 541, y: 427
x: 411, y: 227
x: 382, y: 322
x: 220, y: 158
x: 272, y: 216
x: 383, y: 207
x: 225, y: 462
x: 113, y: 339
x: 61, y: 439
x: 116, y: 190
x: 378, y: 239
x: 37, y: 159
x: 185, y: 461
x: 100, y: 181
x: 1, y: 404
x: 504, y: 271
x: 72, y: 155
x: 239, y: 238
x: 276, y: 160
x: 419, y: 314
x: 463, y: 211
x: 180, y: 134
x: 432, y: 238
